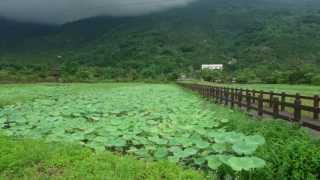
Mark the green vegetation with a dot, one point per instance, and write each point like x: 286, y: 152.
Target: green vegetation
x: 34, y: 159
x: 258, y: 41
x: 289, y: 151
x: 163, y: 123
x: 304, y: 74
x: 150, y: 122
x: 19, y: 93
x: 307, y: 90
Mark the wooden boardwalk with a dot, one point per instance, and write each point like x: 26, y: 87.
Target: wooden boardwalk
x: 264, y: 104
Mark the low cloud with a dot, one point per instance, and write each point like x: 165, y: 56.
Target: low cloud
x: 62, y: 11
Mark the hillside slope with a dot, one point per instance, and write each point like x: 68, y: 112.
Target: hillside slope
x: 259, y: 36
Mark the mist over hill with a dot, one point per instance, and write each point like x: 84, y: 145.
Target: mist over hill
x: 256, y: 39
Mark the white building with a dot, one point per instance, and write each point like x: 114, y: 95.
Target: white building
x: 212, y: 66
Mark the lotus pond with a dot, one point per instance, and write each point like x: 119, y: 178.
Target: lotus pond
x: 152, y: 122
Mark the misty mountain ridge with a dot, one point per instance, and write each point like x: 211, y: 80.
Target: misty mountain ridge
x: 270, y: 35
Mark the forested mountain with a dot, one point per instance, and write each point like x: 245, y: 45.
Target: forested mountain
x: 257, y: 40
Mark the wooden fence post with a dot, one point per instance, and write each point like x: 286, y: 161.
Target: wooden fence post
x: 316, y: 107
x: 248, y: 101
x: 232, y: 97
x: 260, y: 104
x: 203, y: 91
x: 221, y: 95
x: 271, y: 99
x: 207, y: 92
x: 297, y: 108
x: 283, y: 101
x: 275, y: 107
x: 254, y: 96
x: 217, y: 95
x: 235, y: 95
x: 213, y: 93
x: 226, y: 102
x: 240, y: 98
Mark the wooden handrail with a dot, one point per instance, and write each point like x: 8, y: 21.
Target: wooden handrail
x: 276, y: 105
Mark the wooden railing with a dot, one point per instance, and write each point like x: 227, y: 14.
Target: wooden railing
x: 297, y: 108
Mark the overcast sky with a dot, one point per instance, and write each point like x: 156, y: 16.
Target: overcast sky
x: 61, y: 11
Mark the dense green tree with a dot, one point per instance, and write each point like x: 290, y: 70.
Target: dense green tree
x: 316, y: 80
x: 257, y: 41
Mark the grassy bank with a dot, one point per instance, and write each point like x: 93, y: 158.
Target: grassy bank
x: 35, y: 159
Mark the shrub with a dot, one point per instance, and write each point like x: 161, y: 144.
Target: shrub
x: 315, y: 80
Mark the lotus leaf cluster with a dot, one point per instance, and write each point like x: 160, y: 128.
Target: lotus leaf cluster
x: 153, y: 122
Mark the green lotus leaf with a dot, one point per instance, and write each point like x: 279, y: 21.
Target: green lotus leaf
x: 208, y: 124
x: 256, y: 140
x: 213, y: 162
x: 195, y: 138
x: 161, y: 153
x: 186, y: 153
x: 190, y: 151
x: 140, y: 140
x: 244, y: 148
x: 142, y: 153
x: 117, y: 142
x: 132, y: 150
x: 213, y: 134
x: 257, y: 162
x: 221, y: 138
x: 98, y: 147
x: 174, y: 159
x: 233, y: 137
x: 184, y: 141
x: 199, y: 161
x: 175, y: 149
x: 224, y: 158
x: 240, y: 163
x: 128, y: 137
x: 202, y: 144
x: 219, y: 147
x: 201, y: 131
x: 102, y: 139
x: 158, y: 140
x: 188, y: 127
x: 224, y: 120
x: 150, y: 147
x: 245, y: 163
